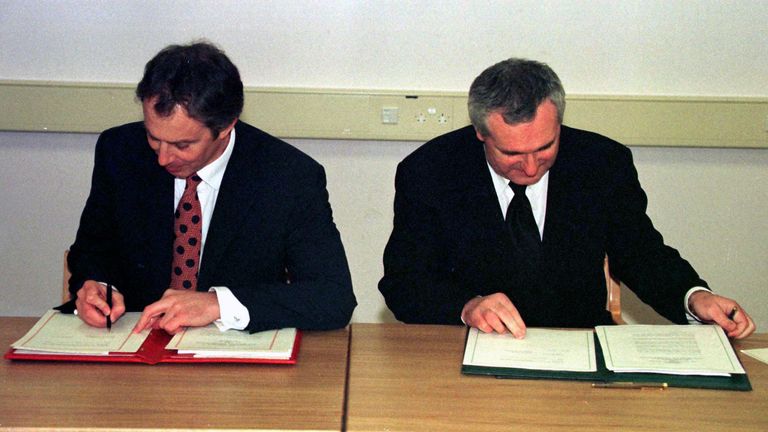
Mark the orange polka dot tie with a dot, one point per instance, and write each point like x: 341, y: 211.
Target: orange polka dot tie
x: 188, y: 231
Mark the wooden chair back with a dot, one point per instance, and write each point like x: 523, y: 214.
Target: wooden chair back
x: 65, y: 283
x: 613, y: 298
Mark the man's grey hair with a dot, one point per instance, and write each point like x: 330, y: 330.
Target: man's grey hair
x: 514, y: 88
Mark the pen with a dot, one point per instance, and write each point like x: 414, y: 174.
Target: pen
x: 109, y: 303
x: 733, y: 313
x: 630, y: 385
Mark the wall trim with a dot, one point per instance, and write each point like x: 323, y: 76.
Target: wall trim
x: 685, y: 121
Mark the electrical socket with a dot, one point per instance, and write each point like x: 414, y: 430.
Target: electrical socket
x: 420, y: 117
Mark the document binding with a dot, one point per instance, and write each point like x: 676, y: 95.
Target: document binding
x: 153, y: 351
x: 736, y: 382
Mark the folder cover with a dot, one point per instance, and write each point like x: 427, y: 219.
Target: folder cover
x: 737, y: 382
x: 152, y: 350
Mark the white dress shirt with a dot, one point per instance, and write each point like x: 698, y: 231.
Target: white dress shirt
x: 233, y: 314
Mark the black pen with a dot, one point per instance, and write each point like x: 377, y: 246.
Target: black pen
x: 630, y: 385
x: 109, y: 303
x: 733, y: 313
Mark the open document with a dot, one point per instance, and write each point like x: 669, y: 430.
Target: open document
x: 669, y: 349
x: 211, y: 342
x: 56, y: 332
x: 696, y: 356
x: 757, y: 353
x: 543, y: 349
x: 65, y: 337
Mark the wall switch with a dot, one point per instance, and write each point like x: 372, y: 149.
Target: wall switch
x: 390, y: 115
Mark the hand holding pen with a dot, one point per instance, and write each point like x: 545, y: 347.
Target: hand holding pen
x: 109, y: 304
x: 93, y: 304
x: 726, y: 313
x: 732, y: 315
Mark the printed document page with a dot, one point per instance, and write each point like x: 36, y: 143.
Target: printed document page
x: 541, y: 349
x: 58, y: 333
x: 209, y: 341
x: 757, y: 353
x: 670, y: 349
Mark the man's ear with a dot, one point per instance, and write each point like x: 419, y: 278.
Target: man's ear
x: 479, y: 135
x: 226, y: 131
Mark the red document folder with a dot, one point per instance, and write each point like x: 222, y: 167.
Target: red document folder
x: 153, y: 351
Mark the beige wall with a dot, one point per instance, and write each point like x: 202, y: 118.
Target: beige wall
x: 710, y: 203
x: 626, y: 47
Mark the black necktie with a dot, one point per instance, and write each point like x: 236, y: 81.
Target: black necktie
x: 522, y: 227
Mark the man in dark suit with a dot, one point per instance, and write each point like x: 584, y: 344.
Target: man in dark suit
x: 506, y: 223
x: 262, y: 252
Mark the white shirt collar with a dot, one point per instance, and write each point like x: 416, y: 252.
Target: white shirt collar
x: 214, y: 171
x: 536, y: 193
x: 501, y: 184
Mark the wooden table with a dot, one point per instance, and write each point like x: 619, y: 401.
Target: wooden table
x: 408, y: 378
x: 307, y: 396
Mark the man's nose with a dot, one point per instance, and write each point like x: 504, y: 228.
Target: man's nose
x: 529, y: 165
x: 163, y: 154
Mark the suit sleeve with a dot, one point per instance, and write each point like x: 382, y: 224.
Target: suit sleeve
x: 419, y: 285
x: 90, y: 257
x: 319, y: 294
x: 638, y: 255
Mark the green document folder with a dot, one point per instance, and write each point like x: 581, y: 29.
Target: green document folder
x: 738, y: 382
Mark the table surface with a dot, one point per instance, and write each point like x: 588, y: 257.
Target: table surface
x: 408, y: 378
x: 91, y: 396
x: 401, y: 377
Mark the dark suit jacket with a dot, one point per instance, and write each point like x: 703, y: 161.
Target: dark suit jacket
x: 272, y: 213
x: 449, y: 243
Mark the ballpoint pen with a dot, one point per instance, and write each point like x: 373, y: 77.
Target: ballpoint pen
x: 733, y: 313
x: 109, y: 304
x: 630, y: 385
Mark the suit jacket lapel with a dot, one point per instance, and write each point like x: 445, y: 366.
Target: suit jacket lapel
x: 242, y: 180
x: 472, y: 199
x: 556, y: 198
x: 474, y: 190
x: 158, y: 206
x: 154, y: 219
x: 562, y: 200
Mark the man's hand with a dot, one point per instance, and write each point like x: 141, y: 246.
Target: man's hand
x: 92, y: 306
x: 494, y: 312
x: 714, y: 308
x: 178, y: 309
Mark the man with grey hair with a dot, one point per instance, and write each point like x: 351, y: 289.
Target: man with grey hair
x: 506, y: 223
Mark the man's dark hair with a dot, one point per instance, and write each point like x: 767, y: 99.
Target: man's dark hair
x: 199, y: 77
x: 515, y: 88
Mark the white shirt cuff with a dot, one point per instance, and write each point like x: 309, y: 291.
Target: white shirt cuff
x: 690, y: 316
x: 234, y: 315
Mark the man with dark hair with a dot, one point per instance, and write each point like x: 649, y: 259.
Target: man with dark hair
x: 506, y: 223
x: 196, y: 217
